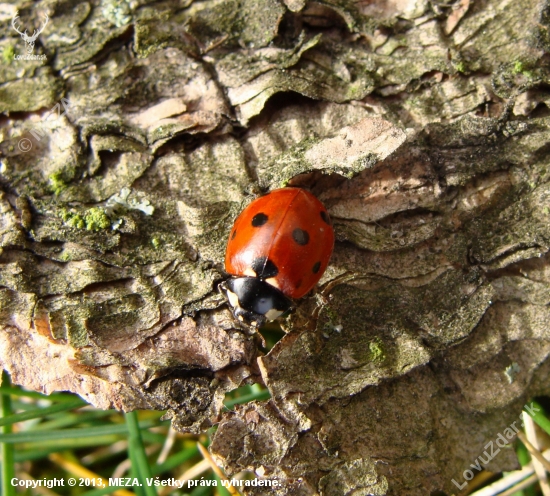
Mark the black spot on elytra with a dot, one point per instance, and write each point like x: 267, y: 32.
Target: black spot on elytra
x: 259, y: 220
x: 300, y: 236
x: 264, y: 268
x: 325, y: 217
x: 316, y: 267
x: 234, y: 234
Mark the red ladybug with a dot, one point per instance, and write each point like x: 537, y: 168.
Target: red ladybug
x: 278, y: 249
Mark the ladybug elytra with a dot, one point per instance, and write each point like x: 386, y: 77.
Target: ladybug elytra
x: 278, y: 249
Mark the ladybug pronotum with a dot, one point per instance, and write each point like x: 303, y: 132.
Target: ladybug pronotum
x: 278, y: 249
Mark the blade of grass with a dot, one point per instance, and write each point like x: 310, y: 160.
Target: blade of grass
x: 534, y: 451
x: 202, y: 490
x: 510, y: 480
x: 41, y: 436
x: 137, y: 453
x: 222, y: 491
x: 518, y: 488
x: 152, y: 437
x: 479, y: 480
x: 53, y: 435
x: 217, y: 470
x: 68, y: 420
x: 41, y: 412
x: 188, y: 475
x: 258, y: 396
x: 8, y: 465
x: 175, y: 460
x: 33, y: 394
x: 531, y: 442
x: 105, y: 453
x: 39, y: 490
x: 101, y: 492
x: 126, y: 465
x: 539, y: 417
x: 240, y: 391
x: 21, y: 406
x: 37, y: 451
x: 133, y: 473
x: 167, y: 445
x: 524, y: 459
x: 522, y: 453
x: 80, y: 471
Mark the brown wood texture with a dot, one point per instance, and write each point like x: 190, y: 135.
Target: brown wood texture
x: 131, y: 144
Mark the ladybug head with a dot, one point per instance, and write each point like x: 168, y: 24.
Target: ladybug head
x: 254, y: 301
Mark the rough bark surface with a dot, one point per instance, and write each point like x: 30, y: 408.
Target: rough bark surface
x: 423, y: 126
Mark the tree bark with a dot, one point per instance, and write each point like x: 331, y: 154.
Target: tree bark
x: 423, y: 126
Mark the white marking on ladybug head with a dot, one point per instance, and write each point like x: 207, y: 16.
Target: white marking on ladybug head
x: 273, y: 282
x: 249, y: 271
x: 241, y: 318
x: 233, y: 299
x: 273, y: 314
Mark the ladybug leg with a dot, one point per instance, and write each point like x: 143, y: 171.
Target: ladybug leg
x: 222, y: 289
x: 341, y: 279
x: 255, y: 320
x: 323, y: 295
x: 320, y: 302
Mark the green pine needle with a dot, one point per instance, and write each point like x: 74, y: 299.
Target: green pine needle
x: 53, y: 435
x: 540, y: 418
x: 41, y: 412
x: 8, y: 464
x: 136, y: 450
x: 256, y: 396
x: 6, y: 389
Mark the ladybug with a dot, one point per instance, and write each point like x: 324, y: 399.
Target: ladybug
x: 278, y: 249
